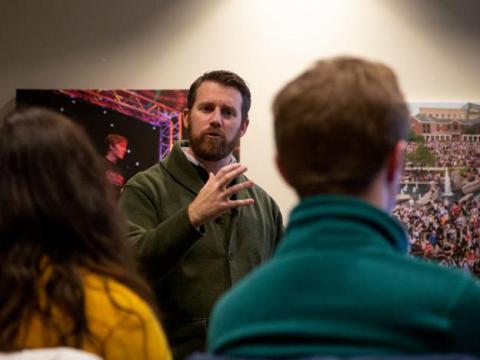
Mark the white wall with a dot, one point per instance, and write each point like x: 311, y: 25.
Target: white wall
x: 432, y: 44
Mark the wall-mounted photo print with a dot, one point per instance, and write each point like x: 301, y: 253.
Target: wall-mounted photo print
x: 132, y: 129
x: 439, y: 196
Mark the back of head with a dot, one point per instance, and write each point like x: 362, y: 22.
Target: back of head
x: 336, y: 123
x: 57, y: 212
x: 53, y: 181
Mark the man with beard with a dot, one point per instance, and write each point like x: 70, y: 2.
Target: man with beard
x: 199, y: 224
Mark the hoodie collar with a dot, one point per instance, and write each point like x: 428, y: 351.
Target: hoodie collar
x: 317, y: 214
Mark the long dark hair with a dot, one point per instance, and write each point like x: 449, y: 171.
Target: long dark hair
x: 57, y: 214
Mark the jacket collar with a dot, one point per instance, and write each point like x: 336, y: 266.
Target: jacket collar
x: 181, y: 169
x: 338, y: 220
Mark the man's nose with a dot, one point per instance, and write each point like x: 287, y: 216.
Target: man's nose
x: 216, y: 119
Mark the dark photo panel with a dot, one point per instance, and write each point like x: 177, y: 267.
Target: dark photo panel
x: 150, y: 120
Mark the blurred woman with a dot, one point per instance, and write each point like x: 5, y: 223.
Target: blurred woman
x: 67, y: 275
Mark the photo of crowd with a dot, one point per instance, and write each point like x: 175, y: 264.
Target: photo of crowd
x: 440, y: 187
x: 444, y: 231
x: 451, y: 153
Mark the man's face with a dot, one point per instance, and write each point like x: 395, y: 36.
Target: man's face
x: 214, y: 123
x: 119, y: 149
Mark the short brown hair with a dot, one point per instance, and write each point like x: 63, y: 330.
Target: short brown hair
x: 336, y: 123
x: 225, y: 78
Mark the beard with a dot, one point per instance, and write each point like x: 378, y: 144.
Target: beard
x: 212, y: 149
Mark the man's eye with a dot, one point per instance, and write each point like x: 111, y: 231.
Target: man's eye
x: 228, y: 112
x: 206, y: 108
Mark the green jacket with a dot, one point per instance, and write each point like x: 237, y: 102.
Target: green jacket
x: 341, y: 283
x: 187, y: 269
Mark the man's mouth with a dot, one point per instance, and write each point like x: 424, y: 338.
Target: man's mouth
x: 213, y: 135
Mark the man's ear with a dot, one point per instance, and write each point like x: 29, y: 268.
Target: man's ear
x: 281, y: 169
x: 186, y: 118
x: 244, y: 126
x: 395, y: 161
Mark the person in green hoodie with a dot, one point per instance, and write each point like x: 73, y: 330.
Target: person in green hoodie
x: 341, y: 282
x: 198, y: 223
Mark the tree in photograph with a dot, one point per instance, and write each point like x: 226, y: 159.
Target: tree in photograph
x: 417, y: 138
x: 421, y: 157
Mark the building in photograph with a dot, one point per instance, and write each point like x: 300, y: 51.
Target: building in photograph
x: 448, y: 124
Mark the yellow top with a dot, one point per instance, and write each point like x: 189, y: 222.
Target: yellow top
x: 126, y: 327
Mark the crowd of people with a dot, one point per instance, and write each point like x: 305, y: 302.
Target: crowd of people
x: 444, y: 231
x: 450, y: 153
x: 412, y: 180
x: 418, y: 176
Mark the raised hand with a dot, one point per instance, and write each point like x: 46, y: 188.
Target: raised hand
x: 214, y: 197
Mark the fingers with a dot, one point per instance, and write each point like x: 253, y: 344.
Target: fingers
x: 238, y: 187
x: 240, y: 203
x: 235, y: 189
x: 228, y: 173
x: 214, y: 197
